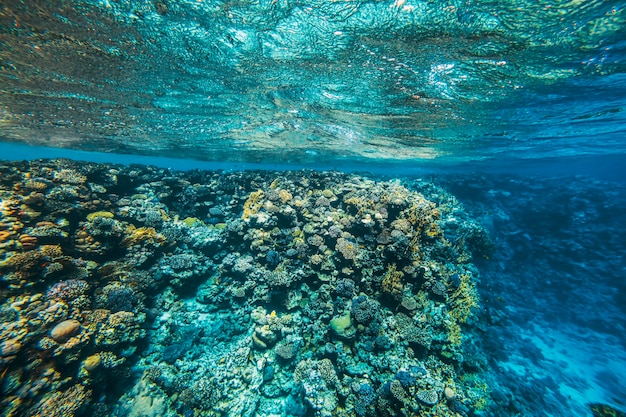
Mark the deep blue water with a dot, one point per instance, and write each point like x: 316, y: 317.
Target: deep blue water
x: 517, y: 109
x: 553, y: 291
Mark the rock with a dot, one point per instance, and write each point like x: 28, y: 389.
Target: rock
x: 449, y: 393
x: 64, y: 330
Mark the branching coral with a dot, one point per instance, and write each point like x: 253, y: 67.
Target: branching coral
x: 392, y: 282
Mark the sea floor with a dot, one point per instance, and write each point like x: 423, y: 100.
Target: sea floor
x: 555, y: 287
x: 140, y: 291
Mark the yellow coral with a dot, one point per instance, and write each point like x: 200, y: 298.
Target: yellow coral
x: 69, y: 176
x: 433, y: 230
x: 63, y: 403
x: 454, y: 331
x: 143, y: 234
x: 35, y: 185
x: 464, y: 299
x: 392, y: 282
x: 328, y: 193
x: 4, y: 235
x: 105, y: 214
x: 252, y: 205
x: 285, y: 196
x: 193, y: 221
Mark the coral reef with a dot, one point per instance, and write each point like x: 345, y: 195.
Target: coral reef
x: 256, y: 293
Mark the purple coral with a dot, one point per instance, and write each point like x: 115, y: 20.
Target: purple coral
x: 345, y: 288
x: 364, y: 310
x: 68, y: 290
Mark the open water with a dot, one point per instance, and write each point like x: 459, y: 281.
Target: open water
x: 312, y: 208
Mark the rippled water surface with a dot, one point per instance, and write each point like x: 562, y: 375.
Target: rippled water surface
x: 300, y: 81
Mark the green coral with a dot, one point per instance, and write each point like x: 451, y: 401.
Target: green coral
x: 341, y: 324
x: 105, y: 214
x: 604, y: 410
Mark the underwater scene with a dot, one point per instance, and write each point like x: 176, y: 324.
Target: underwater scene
x: 312, y: 208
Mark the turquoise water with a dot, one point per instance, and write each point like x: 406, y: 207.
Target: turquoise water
x: 312, y: 208
x: 314, y: 82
